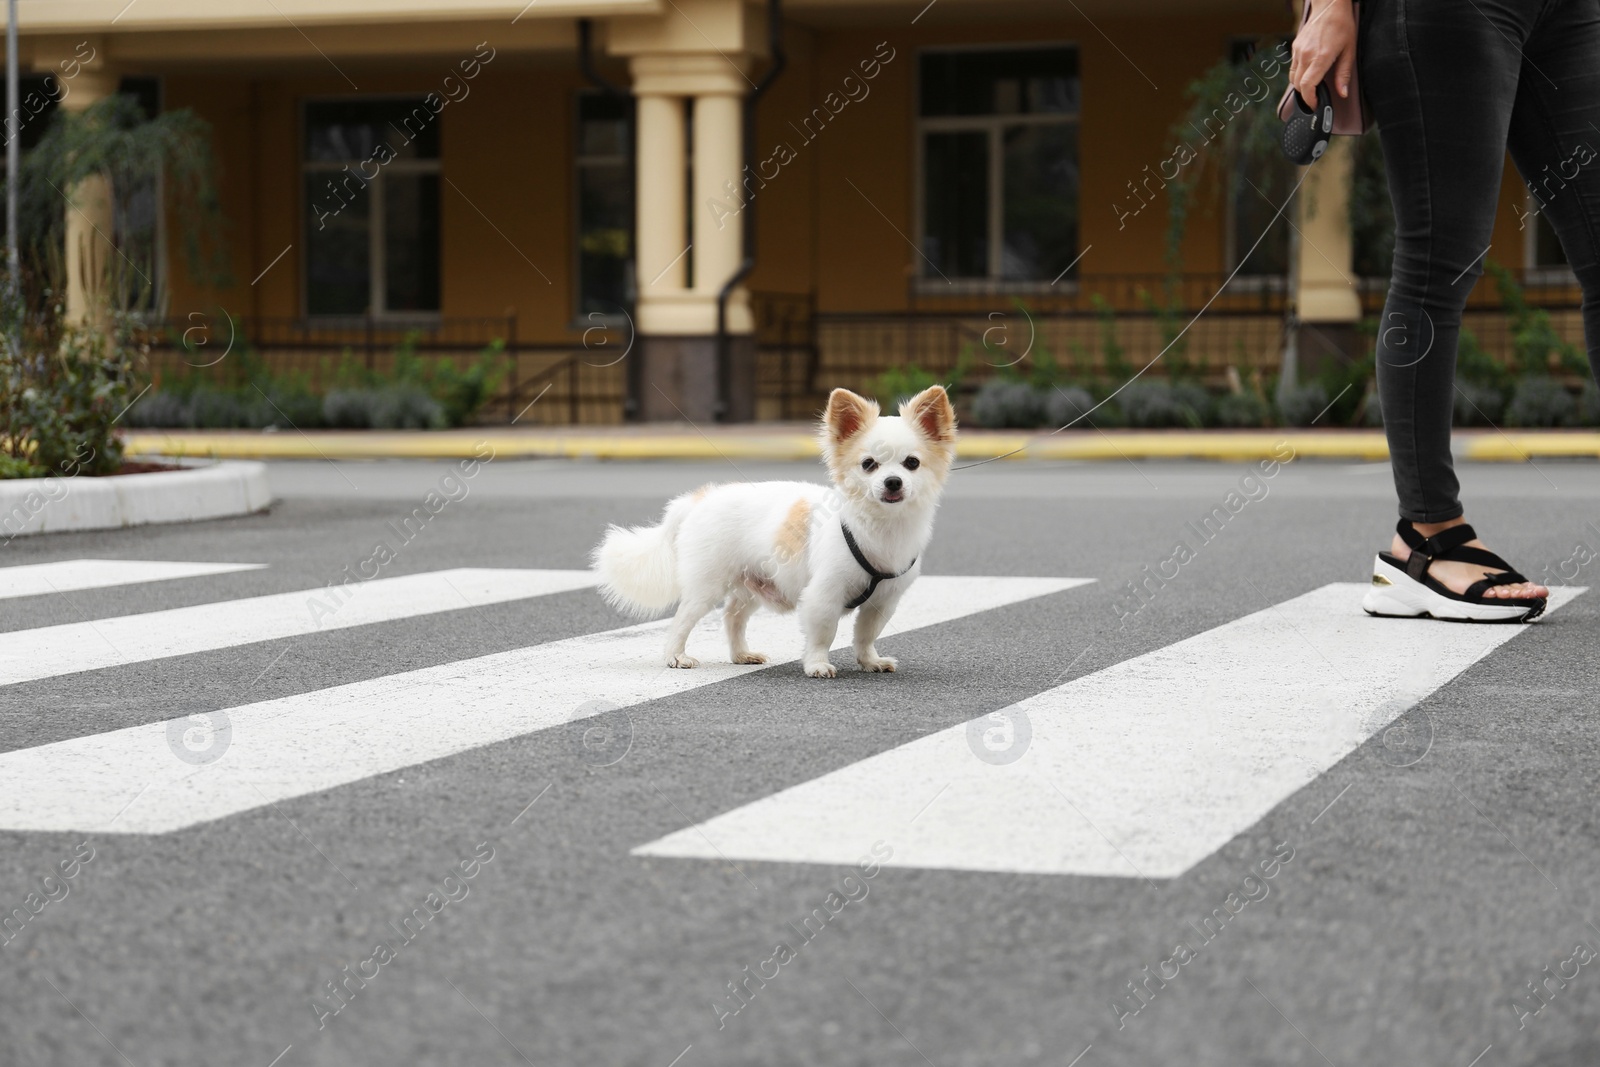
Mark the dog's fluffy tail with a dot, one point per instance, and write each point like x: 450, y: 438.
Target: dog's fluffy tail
x: 638, y: 566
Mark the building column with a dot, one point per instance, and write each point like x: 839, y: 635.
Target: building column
x: 663, y: 264
x: 718, y: 217
x: 693, y: 56
x: 90, y: 217
x: 1324, y: 298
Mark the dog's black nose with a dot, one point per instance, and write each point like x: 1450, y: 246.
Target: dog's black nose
x: 892, y: 484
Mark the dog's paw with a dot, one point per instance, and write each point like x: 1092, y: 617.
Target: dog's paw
x: 683, y: 661
x: 821, y: 670
x: 750, y: 657
x: 879, y: 664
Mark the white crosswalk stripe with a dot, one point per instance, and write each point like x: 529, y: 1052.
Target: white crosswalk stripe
x: 1142, y: 769
x: 66, y: 576
x: 139, y: 780
x: 28, y: 655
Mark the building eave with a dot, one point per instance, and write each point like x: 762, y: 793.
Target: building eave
x: 133, y: 16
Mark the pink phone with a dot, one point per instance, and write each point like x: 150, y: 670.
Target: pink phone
x: 1350, y: 115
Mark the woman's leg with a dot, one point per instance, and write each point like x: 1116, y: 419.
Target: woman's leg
x: 1441, y: 78
x: 1555, y: 141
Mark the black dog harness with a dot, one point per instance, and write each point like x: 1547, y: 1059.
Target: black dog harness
x: 876, y: 575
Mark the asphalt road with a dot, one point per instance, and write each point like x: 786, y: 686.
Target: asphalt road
x: 1428, y: 882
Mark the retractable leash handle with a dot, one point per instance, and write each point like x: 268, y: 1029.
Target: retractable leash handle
x: 1306, y: 131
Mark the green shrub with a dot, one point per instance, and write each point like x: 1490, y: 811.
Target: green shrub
x: 1196, y: 401
x: 459, y: 394
x: 1299, y: 406
x: 1541, y: 401
x: 218, y: 409
x: 1241, y: 410
x: 1069, y: 405
x: 1046, y: 373
x: 1589, y: 403
x: 160, y: 408
x: 898, y: 384
x: 1478, y: 367
x: 1373, y: 415
x: 347, y: 409
x: 1534, y: 341
x: 1112, y: 354
x: 72, y: 402
x: 1344, y: 384
x: 247, y: 393
x: 12, y: 467
x: 1109, y: 415
x: 1168, y: 315
x: 392, y: 407
x: 287, y: 406
x: 1478, y: 405
x: 1008, y: 405
x: 207, y: 407
x: 1152, y: 405
x: 112, y: 137
x: 406, y: 407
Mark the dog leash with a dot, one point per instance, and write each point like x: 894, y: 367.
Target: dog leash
x: 876, y: 575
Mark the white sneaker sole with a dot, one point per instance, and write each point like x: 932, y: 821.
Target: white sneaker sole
x: 1395, y: 594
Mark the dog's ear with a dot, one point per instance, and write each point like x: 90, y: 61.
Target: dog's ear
x: 847, y: 414
x: 930, y: 410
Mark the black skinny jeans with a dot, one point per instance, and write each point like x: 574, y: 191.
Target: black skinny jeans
x: 1453, y: 84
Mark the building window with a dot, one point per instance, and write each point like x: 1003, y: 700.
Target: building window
x: 38, y: 97
x: 998, y: 133
x: 1260, y: 188
x: 140, y: 233
x: 371, y: 178
x: 1544, y: 251
x: 604, y: 214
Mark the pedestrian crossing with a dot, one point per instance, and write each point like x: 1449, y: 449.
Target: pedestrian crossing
x: 49, y: 651
x: 71, y: 575
x: 1141, y: 769
x: 128, y: 781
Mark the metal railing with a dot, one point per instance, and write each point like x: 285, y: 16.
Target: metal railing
x: 788, y: 383
x: 1089, y: 328
x: 579, y: 382
x: 1088, y: 293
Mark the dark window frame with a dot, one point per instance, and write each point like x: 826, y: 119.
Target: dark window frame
x: 154, y: 104
x: 377, y: 265
x: 993, y: 125
x: 582, y: 317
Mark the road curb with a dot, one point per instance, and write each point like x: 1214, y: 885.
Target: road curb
x: 798, y: 444
x: 56, y: 505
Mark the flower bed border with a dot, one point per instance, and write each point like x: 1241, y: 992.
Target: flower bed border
x: 209, y: 491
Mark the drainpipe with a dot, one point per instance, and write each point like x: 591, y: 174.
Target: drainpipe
x: 724, y: 355
x: 586, y: 64
x: 13, y: 129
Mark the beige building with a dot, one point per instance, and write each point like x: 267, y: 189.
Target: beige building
x: 925, y: 179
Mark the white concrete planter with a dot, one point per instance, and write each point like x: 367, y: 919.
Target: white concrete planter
x: 210, y: 491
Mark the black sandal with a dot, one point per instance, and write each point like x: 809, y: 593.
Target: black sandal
x: 1405, y: 589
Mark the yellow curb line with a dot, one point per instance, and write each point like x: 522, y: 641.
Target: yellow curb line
x: 1520, y: 447
x: 459, y: 446
x: 1012, y: 447
x: 1202, y: 445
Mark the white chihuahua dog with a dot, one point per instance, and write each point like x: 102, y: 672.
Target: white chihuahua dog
x: 796, y: 544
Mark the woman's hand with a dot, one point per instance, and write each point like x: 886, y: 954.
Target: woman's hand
x: 1327, y: 40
